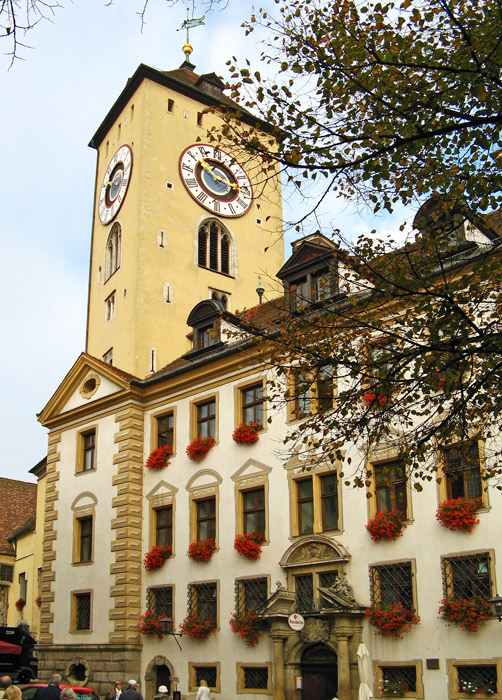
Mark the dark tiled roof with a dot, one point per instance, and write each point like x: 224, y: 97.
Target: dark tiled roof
x: 18, y: 501
x: 119, y: 372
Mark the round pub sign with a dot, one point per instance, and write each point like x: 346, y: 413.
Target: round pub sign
x: 296, y: 622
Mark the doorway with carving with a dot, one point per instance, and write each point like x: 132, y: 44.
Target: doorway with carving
x: 319, y: 668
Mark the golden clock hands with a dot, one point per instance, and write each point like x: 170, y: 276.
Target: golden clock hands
x: 218, y: 178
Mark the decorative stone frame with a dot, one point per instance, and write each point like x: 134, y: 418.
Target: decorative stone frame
x: 193, y: 414
x: 164, y: 494
x: 380, y: 455
x: 89, y: 386
x: 72, y: 680
x: 80, y: 512
x: 442, y: 489
x: 238, y: 402
x: 208, y: 486
x: 153, y: 426
x: 240, y: 688
x: 193, y: 665
x: 451, y: 669
x: 251, y: 475
x: 73, y: 611
x: 150, y: 675
x: 297, y: 473
x: 378, y: 677
x: 79, y: 457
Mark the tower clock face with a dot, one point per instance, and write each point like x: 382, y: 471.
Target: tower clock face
x: 215, y: 180
x: 115, y: 183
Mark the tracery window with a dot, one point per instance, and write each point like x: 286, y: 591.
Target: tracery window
x: 214, y: 247
x: 113, y: 250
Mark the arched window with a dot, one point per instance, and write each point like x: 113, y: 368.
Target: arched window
x: 214, y: 247
x: 113, y: 250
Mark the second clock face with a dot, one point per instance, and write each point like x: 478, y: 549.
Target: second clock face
x: 115, y: 183
x: 215, y: 180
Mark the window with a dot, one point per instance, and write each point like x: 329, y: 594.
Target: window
x: 312, y: 391
x: 253, y: 510
x: 316, y: 507
x: 6, y: 572
x: 163, y: 526
x: 382, y: 370
x: 250, y: 593
x: 203, y: 600
x: 400, y: 678
x: 165, y: 430
x: 206, y: 518
x: 84, y: 539
x: 206, y: 336
x: 468, y: 576
x: 110, y: 307
x: 113, y: 251
x: 390, y: 486
x: 206, y: 419
x: 210, y: 672
x: 325, y: 388
x: 254, y: 677
x: 214, y: 247
x: 108, y: 357
x: 314, y: 287
x: 321, y: 285
x: 252, y: 404
x: 462, y: 470
x: 392, y: 583
x: 159, y: 601
x: 308, y: 597
x: 23, y: 585
x: 170, y: 104
x: 475, y: 678
x: 88, y: 442
x: 301, y: 405
x: 299, y: 292
x: 81, y: 611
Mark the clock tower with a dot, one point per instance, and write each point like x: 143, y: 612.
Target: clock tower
x: 176, y: 220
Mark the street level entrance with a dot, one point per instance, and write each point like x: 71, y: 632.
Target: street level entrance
x: 319, y: 673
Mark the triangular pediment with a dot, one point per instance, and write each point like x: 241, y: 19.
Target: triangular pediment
x: 250, y: 470
x: 88, y: 382
x: 163, y: 488
x: 308, y: 254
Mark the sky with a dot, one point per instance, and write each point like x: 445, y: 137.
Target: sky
x: 51, y: 103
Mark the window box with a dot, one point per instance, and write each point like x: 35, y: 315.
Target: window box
x: 249, y: 544
x: 155, y: 558
x: 247, y: 624
x: 152, y: 625
x: 392, y: 620
x: 197, y: 627
x: 199, y: 447
x: 19, y: 604
x: 386, y: 525
x: 159, y: 458
x: 469, y: 614
x: 201, y: 550
x: 246, y: 434
x: 459, y: 513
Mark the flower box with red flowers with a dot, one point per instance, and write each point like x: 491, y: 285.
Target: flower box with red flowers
x: 38, y: 600
x: 371, y: 399
x: 394, y: 687
x: 247, y: 434
x: 249, y: 544
x: 196, y: 627
x: 247, y: 624
x: 155, y: 558
x: 459, y: 513
x: 468, y: 613
x: 199, y: 447
x: 201, y: 550
x: 156, y: 625
x: 386, y: 525
x: 159, y: 458
x: 19, y: 604
x: 391, y: 620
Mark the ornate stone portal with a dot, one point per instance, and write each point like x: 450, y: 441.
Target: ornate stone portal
x: 335, y: 621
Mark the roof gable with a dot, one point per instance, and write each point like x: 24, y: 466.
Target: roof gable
x: 306, y: 255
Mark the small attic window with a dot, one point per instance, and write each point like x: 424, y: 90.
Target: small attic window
x: 199, y: 118
x: 205, y: 320
x: 89, y: 386
x: 312, y: 288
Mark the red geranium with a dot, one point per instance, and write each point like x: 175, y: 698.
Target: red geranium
x: 199, y: 447
x: 386, y: 525
x: 391, y: 620
x: 196, y: 627
x: 249, y: 544
x: 19, y: 604
x: 469, y: 613
x: 151, y: 624
x: 159, y: 458
x: 156, y: 557
x: 459, y: 513
x: 247, y: 625
x: 38, y: 600
x: 247, y: 434
x: 201, y: 550
x: 371, y: 398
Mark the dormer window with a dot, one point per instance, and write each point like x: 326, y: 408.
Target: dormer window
x: 314, y: 287
x: 205, y: 319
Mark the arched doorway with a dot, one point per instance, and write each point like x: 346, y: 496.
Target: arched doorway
x: 319, y: 673
x: 163, y: 677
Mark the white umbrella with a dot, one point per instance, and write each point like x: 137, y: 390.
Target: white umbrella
x: 365, y: 673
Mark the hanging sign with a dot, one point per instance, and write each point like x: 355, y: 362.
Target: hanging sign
x: 296, y: 622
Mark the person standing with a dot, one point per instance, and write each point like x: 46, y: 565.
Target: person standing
x: 203, y: 692
x: 52, y: 691
x: 132, y: 692
x: 162, y: 693
x: 12, y: 693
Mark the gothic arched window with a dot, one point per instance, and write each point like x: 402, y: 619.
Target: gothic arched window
x: 214, y: 247
x: 113, y: 250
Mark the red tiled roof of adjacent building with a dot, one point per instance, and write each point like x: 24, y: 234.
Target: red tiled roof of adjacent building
x: 18, y: 501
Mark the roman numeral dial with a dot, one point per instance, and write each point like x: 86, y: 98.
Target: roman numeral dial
x: 215, y: 180
x: 115, y: 184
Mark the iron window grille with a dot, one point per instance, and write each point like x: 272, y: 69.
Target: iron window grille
x: 477, y: 677
x: 401, y: 675
x: 467, y: 576
x: 250, y: 593
x: 202, y: 600
x: 206, y: 673
x: 159, y: 601
x: 304, y: 587
x: 327, y: 578
x: 255, y: 677
x: 392, y: 583
x: 83, y: 611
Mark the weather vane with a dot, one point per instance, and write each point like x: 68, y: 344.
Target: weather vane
x: 188, y: 24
